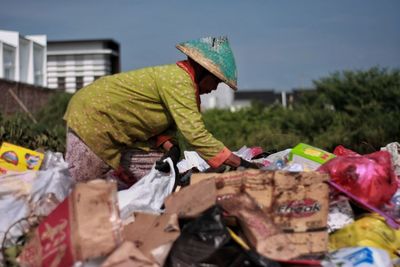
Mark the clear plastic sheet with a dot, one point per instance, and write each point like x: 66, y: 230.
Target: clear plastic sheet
x: 32, y: 193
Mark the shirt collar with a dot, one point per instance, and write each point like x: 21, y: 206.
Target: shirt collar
x: 186, y: 66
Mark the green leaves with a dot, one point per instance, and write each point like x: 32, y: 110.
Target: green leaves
x: 358, y: 109
x: 48, y: 134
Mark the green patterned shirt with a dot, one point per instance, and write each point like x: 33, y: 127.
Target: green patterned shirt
x: 130, y: 109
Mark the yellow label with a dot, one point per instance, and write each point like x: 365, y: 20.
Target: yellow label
x: 312, y: 152
x: 16, y: 158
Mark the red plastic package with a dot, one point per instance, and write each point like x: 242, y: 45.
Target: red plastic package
x: 370, y: 177
x: 342, y: 151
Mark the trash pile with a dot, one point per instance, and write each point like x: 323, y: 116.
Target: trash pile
x: 303, y: 207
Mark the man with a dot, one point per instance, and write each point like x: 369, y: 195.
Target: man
x: 124, y: 121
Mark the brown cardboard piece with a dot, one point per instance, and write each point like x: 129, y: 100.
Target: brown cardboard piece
x: 297, y: 203
x: 191, y: 201
x: 257, y: 184
x: 85, y: 225
x: 301, y: 201
x: 258, y: 227
x: 128, y: 255
x: 153, y: 234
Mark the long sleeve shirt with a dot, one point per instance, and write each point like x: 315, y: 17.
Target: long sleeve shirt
x: 132, y: 109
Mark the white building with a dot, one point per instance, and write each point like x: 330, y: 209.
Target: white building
x: 221, y: 98
x: 75, y: 63
x: 23, y: 58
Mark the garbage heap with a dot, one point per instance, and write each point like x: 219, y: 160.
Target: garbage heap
x: 304, y: 207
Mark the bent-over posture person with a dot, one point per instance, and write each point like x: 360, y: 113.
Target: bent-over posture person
x: 126, y: 122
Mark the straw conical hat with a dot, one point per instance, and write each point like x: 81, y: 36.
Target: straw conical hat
x: 214, y: 54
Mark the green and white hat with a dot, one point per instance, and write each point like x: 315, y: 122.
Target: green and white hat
x: 215, y: 55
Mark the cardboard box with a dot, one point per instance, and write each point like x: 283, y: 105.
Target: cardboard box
x: 259, y: 227
x: 296, y: 203
x: 300, y: 201
x: 258, y: 184
x: 128, y: 255
x: 16, y: 158
x: 310, y: 157
x: 153, y: 235
x: 85, y: 225
x: 191, y: 201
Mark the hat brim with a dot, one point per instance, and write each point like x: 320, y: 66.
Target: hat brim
x: 207, y: 64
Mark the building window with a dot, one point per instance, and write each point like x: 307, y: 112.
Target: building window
x: 61, y: 60
x: 79, y: 82
x: 61, y: 82
x: 38, y: 60
x: 9, y: 62
x: 96, y: 77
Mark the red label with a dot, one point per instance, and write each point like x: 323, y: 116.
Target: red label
x: 55, y: 238
x: 299, y: 208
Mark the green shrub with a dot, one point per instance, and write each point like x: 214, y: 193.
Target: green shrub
x: 47, y: 134
x: 358, y: 109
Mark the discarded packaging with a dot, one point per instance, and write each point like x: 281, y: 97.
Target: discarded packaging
x: 30, y: 194
x: 308, y: 156
x: 206, y: 241
x: 358, y: 256
x: 370, y: 230
x: 128, y: 255
x: 394, y: 150
x: 369, y: 177
x: 258, y: 227
x: 340, y: 214
x: 85, y: 225
x: 16, y: 158
x: 192, y: 160
x: 148, y: 194
x: 191, y: 201
x: 296, y: 202
x: 153, y: 235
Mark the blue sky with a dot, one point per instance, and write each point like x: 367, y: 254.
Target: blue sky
x: 278, y: 45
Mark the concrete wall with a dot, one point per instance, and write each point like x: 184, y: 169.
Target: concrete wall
x: 33, y: 97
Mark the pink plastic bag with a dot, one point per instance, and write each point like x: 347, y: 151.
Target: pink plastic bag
x: 370, y: 177
x: 342, y: 151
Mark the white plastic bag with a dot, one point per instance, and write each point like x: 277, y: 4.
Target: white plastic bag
x: 358, y: 256
x: 23, y: 194
x: 148, y: 194
x: 394, y: 150
x: 191, y: 160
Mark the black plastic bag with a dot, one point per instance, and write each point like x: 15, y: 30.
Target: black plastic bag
x: 205, y: 241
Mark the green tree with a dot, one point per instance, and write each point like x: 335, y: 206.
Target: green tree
x: 357, y: 109
x: 367, y: 104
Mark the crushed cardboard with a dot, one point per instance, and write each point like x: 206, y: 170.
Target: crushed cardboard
x: 85, y: 220
x: 153, y: 234
x: 191, y: 201
x: 297, y: 203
